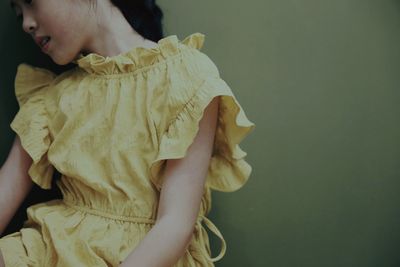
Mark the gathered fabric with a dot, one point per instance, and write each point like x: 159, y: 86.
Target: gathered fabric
x: 108, y: 126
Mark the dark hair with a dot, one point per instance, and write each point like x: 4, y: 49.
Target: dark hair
x: 145, y: 17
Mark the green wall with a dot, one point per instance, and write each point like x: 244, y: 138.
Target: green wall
x: 320, y: 79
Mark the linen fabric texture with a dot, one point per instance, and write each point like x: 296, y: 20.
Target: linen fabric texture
x: 108, y: 126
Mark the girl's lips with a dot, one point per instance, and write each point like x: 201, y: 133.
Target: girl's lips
x: 39, y: 40
x: 45, y: 48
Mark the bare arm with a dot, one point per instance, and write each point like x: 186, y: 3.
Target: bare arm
x: 180, y: 200
x: 15, y: 183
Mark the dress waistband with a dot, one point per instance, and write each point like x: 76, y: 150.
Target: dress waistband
x: 137, y: 219
x: 109, y: 215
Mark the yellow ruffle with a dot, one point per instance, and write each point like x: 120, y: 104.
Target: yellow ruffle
x: 30, y: 122
x: 228, y: 169
x: 138, y: 57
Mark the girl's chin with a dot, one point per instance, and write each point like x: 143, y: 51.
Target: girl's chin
x: 61, y: 62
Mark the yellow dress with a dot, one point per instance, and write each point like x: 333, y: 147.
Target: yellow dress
x: 108, y: 126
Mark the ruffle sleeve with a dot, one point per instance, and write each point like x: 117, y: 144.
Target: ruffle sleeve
x: 31, y: 121
x: 228, y: 170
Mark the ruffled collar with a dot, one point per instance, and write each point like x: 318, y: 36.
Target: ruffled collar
x: 138, y: 57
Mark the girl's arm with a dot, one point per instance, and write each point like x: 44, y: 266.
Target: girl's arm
x: 180, y: 200
x: 15, y: 183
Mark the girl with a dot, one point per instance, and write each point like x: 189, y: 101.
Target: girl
x: 140, y: 130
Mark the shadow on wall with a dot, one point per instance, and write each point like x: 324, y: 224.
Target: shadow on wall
x: 398, y: 6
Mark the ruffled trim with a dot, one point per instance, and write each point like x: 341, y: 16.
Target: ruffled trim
x: 138, y: 57
x: 31, y: 121
x: 228, y: 170
x: 13, y: 251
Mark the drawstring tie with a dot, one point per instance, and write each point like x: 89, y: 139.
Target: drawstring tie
x: 199, y: 221
x: 215, y: 230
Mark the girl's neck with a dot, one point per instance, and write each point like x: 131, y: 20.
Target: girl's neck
x: 113, y: 35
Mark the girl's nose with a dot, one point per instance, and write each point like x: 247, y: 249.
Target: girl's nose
x: 29, y: 25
